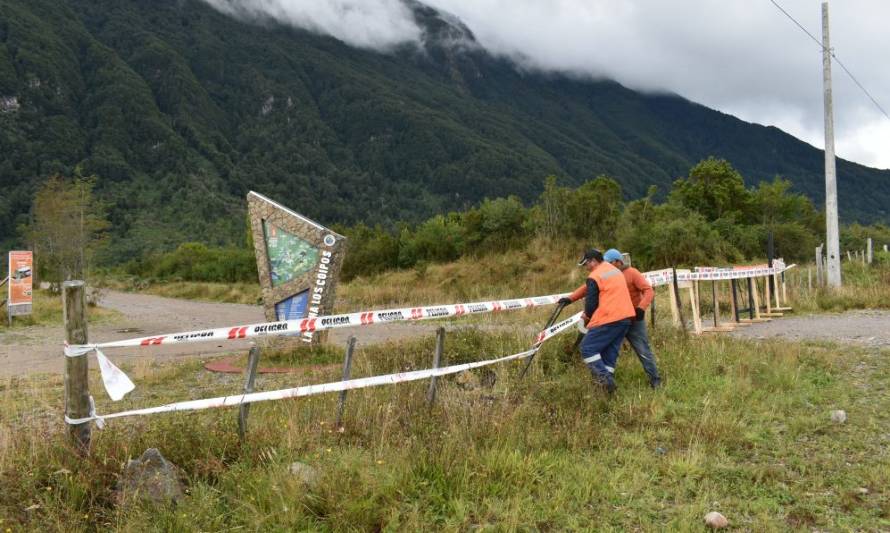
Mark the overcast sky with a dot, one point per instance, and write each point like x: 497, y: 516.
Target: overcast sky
x: 743, y: 57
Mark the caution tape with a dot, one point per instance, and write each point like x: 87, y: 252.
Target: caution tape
x: 118, y: 384
x: 309, y: 390
x: 362, y: 318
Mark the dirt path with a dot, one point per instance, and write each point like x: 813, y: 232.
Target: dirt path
x: 38, y: 348
x: 869, y: 328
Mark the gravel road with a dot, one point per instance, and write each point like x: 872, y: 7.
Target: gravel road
x: 869, y: 328
x: 39, y: 348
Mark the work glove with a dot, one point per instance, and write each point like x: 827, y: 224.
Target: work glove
x: 641, y: 313
x: 564, y: 301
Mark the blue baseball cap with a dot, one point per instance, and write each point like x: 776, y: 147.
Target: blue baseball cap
x: 613, y: 255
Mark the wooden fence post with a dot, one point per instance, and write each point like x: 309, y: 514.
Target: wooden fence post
x: 253, y: 360
x: 696, y: 315
x: 676, y: 302
x: 652, y: 310
x: 347, y: 368
x: 819, y: 275
x: 437, y: 358
x: 733, y: 302
x: 715, y: 304
x: 77, y: 387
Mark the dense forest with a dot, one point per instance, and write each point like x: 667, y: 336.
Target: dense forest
x: 709, y: 218
x: 179, y: 110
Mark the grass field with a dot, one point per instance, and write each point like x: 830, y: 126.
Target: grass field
x: 741, y: 428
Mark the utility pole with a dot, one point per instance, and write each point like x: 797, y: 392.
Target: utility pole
x: 833, y: 259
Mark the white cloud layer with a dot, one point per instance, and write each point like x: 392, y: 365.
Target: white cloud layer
x: 377, y: 24
x: 742, y: 57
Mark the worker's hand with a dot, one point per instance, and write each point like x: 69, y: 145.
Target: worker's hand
x: 641, y: 313
x: 584, y: 318
x: 564, y: 301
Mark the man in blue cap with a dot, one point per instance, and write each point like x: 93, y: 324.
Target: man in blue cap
x: 641, y: 295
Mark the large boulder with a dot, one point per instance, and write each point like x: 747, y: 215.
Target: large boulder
x: 150, y: 478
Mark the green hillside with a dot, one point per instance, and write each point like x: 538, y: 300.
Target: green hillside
x: 180, y: 110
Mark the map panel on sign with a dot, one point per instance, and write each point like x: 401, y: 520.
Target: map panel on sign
x: 289, y: 255
x: 293, y: 308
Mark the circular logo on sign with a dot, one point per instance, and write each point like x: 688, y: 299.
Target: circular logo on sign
x: 329, y: 240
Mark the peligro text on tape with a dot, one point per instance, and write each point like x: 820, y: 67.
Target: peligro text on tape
x: 358, y: 319
x: 118, y: 384
x: 308, y: 390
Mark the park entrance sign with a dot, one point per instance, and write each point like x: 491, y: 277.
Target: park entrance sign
x: 298, y: 261
x: 19, y: 300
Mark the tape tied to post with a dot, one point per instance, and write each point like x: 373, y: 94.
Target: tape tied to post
x: 117, y: 383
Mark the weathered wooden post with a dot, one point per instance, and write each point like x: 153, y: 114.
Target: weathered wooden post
x: 694, y: 303
x: 347, y: 367
x: 849, y: 257
x: 676, y: 311
x: 253, y: 360
x: 77, y: 387
x: 437, y: 358
x: 734, y: 300
x: 784, y: 292
x: 820, y: 276
x: 714, y: 304
x: 751, y: 298
x: 809, y: 279
x: 652, y: 311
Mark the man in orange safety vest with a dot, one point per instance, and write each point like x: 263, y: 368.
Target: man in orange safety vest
x: 607, y: 312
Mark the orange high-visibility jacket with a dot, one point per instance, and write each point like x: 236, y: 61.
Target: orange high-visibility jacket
x: 641, y: 293
x: 614, y: 298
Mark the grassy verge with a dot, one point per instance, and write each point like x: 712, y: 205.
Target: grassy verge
x: 237, y: 293
x: 864, y: 287
x: 47, y: 311
x: 539, y: 269
x: 741, y: 428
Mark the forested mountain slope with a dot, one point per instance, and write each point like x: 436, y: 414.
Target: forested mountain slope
x: 180, y: 110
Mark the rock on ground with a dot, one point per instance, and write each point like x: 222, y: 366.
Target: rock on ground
x: 150, y: 478
x: 838, y: 416
x: 306, y: 474
x: 715, y: 520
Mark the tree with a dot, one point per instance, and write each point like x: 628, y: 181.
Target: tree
x: 68, y: 226
x: 715, y: 189
x: 594, y: 210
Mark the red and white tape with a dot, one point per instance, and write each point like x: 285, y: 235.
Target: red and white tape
x: 117, y: 384
x: 321, y: 323
x: 309, y: 390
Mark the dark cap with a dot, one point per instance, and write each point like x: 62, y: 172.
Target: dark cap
x: 593, y: 253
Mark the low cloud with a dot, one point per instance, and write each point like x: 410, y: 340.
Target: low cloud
x: 741, y: 57
x: 377, y: 24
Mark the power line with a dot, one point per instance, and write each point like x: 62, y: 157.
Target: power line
x: 834, y: 56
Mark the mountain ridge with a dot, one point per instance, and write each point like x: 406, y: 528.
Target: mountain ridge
x: 180, y: 109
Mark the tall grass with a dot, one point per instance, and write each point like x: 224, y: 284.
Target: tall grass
x: 740, y: 427
x: 864, y: 287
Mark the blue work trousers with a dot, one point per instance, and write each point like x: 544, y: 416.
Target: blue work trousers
x: 599, y: 350
x: 639, y: 341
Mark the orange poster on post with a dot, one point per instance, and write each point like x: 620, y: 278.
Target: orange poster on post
x: 20, y: 277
